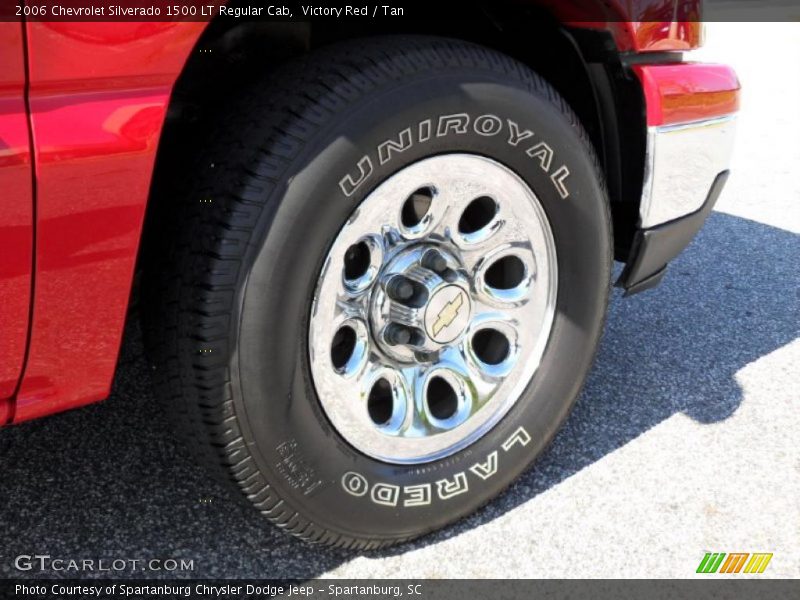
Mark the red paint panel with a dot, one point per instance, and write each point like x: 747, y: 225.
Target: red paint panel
x: 638, y: 25
x: 16, y: 213
x: 98, y: 96
x: 651, y: 36
x: 5, y: 410
x: 662, y: 36
x: 681, y: 93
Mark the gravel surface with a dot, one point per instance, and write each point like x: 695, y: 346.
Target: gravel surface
x: 685, y: 439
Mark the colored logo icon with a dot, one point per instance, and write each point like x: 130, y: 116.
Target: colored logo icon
x: 736, y: 562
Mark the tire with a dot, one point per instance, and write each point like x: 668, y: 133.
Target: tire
x: 228, y: 302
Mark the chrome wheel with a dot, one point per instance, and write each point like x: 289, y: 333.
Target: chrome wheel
x: 433, y: 308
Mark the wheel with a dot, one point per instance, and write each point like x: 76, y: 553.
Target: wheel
x: 384, y: 288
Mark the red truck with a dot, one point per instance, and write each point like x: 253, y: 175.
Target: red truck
x: 372, y: 258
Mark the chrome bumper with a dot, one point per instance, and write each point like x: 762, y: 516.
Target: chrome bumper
x: 681, y: 164
x: 686, y: 169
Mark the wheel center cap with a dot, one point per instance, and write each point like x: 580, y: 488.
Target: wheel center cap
x: 447, y: 314
x: 421, y: 305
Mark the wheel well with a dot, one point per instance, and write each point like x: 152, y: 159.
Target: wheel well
x: 583, y: 65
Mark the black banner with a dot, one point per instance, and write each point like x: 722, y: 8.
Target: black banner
x: 386, y: 589
x: 398, y: 11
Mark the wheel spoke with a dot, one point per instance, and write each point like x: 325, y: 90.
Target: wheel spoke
x: 501, y: 234
x: 414, y: 378
x: 481, y: 386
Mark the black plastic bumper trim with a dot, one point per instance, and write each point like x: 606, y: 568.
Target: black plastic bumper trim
x: 654, y: 248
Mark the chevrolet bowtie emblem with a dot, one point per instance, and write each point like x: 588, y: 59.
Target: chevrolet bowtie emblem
x: 448, y: 314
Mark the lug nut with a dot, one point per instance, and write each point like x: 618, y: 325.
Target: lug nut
x: 398, y: 335
x: 449, y: 275
x: 434, y: 261
x: 401, y: 289
x: 424, y: 357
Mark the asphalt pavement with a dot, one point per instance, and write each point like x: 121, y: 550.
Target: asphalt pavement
x: 684, y: 441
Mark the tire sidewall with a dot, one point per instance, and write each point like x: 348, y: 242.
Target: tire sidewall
x: 312, y: 468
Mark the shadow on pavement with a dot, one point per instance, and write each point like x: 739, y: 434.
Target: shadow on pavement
x: 109, y: 481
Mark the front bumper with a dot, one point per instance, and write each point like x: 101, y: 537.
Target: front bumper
x: 691, y: 121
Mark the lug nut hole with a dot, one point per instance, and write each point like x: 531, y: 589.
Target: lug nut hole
x: 356, y: 261
x: 490, y: 346
x: 380, y: 403
x: 505, y: 273
x: 416, y: 207
x: 478, y: 214
x: 442, y: 399
x: 342, y: 347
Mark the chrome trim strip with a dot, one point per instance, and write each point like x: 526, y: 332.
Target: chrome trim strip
x: 696, y: 124
x: 680, y: 166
